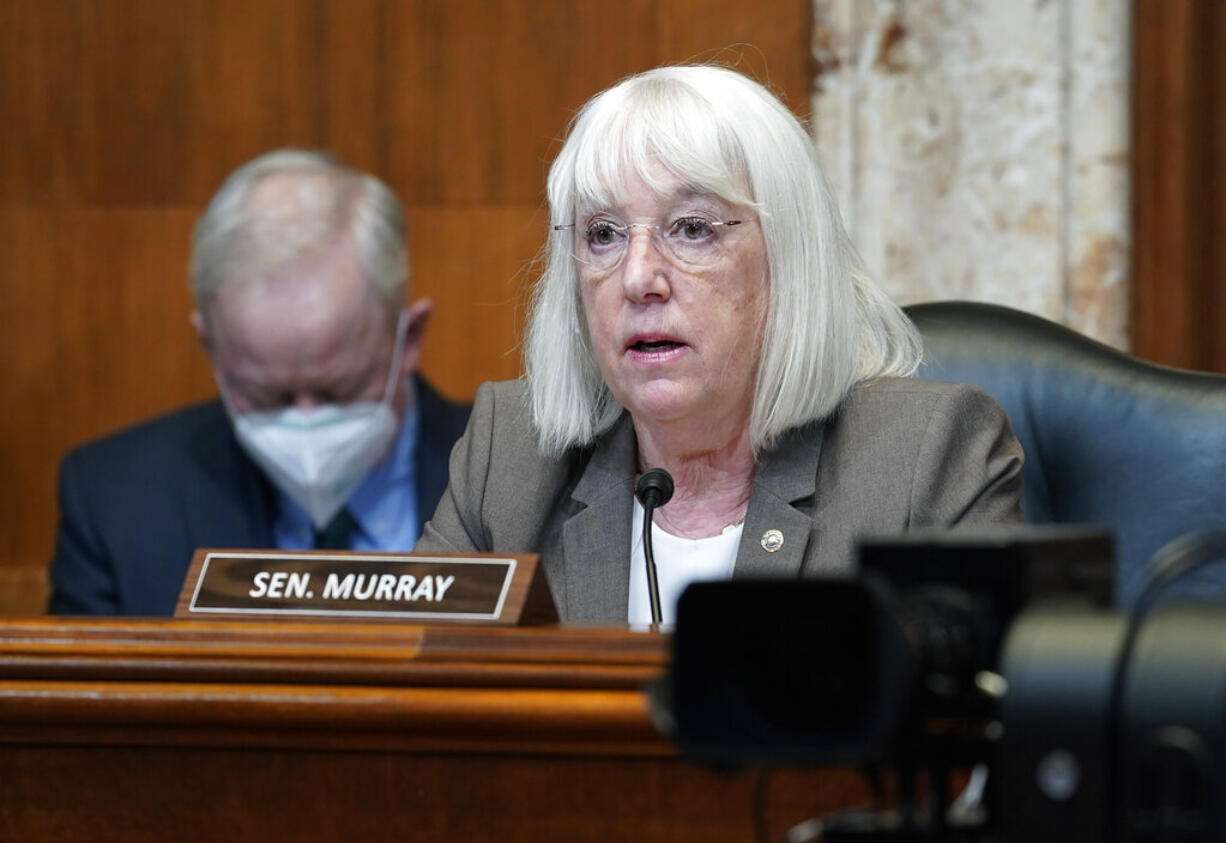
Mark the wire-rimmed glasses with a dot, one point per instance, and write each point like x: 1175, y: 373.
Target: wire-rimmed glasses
x: 692, y: 240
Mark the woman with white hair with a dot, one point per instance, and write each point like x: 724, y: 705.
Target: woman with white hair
x: 703, y: 311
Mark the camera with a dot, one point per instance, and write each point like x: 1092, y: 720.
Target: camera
x: 996, y: 652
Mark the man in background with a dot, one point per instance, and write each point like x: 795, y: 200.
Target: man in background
x: 323, y: 437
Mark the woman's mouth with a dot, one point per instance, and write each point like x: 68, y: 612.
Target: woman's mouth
x: 652, y: 349
x: 648, y: 346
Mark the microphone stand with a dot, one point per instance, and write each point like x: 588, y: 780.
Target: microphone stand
x: 655, y: 488
x: 653, y: 583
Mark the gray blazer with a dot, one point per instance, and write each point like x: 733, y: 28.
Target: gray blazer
x: 898, y: 454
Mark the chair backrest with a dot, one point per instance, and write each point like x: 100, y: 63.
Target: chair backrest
x: 1110, y: 439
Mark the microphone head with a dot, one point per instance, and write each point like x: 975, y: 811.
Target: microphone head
x: 655, y: 488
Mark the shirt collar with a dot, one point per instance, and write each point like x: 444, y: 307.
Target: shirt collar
x: 398, y: 470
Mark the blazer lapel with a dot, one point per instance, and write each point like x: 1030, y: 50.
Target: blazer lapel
x: 435, y: 437
x: 779, y: 533
x: 596, y: 540
x: 232, y: 507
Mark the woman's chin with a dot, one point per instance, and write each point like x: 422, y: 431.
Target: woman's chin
x: 658, y: 409
x: 660, y: 405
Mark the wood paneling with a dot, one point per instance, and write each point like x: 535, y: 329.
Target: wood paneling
x: 122, y: 116
x: 1179, y: 183
x: 155, y: 731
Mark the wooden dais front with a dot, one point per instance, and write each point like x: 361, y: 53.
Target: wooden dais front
x: 141, y: 730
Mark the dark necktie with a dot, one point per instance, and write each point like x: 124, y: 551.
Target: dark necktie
x: 337, y: 534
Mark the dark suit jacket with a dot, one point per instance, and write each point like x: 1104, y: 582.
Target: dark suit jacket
x: 135, y: 506
x: 897, y: 455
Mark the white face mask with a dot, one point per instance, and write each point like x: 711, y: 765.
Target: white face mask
x: 319, y: 457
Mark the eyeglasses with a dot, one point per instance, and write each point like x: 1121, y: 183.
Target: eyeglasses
x: 688, y: 241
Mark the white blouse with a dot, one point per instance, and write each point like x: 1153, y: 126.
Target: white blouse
x: 679, y: 562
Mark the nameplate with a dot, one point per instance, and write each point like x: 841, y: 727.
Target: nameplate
x: 334, y: 585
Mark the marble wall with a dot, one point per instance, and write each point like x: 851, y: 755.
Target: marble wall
x: 979, y: 149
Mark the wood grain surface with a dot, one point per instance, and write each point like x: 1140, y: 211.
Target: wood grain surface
x: 1179, y: 183
x: 179, y: 730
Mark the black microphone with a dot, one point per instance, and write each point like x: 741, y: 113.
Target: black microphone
x: 655, y: 488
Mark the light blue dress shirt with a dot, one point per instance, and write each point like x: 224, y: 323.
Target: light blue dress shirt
x: 385, y: 505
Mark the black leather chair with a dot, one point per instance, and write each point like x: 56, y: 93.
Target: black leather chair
x: 1110, y: 439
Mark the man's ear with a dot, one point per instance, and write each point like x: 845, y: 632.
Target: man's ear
x: 202, y: 331
x: 418, y: 315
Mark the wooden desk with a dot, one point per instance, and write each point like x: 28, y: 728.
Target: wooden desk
x: 140, y: 730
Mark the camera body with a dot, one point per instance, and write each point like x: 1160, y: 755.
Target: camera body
x: 1116, y: 737
x: 955, y: 649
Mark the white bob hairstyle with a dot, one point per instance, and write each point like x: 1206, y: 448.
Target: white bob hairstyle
x: 828, y: 326
x: 244, y: 233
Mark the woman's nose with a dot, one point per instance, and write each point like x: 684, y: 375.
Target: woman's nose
x: 644, y: 268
